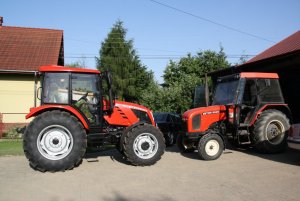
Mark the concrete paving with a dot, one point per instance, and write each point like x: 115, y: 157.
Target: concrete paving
x: 236, y: 175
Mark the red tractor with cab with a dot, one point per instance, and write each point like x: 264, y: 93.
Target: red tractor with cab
x: 246, y: 108
x: 77, y: 108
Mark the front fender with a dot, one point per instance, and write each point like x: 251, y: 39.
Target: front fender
x: 37, y: 110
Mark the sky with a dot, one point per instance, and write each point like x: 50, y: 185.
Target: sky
x: 162, y: 30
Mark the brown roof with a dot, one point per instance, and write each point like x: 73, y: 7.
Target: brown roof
x: 287, y: 45
x: 26, y: 49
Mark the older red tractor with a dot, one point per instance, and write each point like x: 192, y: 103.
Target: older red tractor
x: 77, y: 108
x: 247, y: 108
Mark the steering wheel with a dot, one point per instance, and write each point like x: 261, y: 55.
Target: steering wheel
x: 83, y: 97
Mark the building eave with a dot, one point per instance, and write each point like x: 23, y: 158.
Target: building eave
x: 3, y: 71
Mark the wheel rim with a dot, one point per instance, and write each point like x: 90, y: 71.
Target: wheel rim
x: 212, y: 147
x: 275, y: 131
x: 145, y: 145
x: 55, y: 142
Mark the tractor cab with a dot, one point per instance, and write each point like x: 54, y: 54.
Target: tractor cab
x: 79, y: 88
x: 246, y: 108
x: 243, y: 95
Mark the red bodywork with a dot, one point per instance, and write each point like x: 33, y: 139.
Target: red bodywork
x: 217, y: 113
x: 122, y: 114
x: 44, y: 69
x: 208, y: 116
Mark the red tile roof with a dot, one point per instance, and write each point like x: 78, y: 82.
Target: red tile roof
x: 26, y: 49
x: 287, y: 45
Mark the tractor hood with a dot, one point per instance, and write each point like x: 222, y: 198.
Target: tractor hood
x: 131, y: 106
x: 215, y: 109
x: 126, y: 114
x: 199, y: 119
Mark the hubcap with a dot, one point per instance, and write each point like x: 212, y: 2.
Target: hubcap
x: 212, y: 147
x: 275, y: 132
x: 145, y: 145
x: 55, y: 142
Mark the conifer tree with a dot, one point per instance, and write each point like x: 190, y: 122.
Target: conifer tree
x: 118, y: 56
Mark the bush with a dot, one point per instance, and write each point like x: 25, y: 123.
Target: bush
x: 14, y: 132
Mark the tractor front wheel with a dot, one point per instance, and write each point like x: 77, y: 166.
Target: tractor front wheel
x: 143, y: 145
x: 54, y: 141
x: 210, y: 147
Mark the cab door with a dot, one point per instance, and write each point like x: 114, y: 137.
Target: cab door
x: 86, y: 97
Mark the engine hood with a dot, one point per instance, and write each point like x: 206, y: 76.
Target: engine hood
x: 203, y: 111
x: 131, y: 106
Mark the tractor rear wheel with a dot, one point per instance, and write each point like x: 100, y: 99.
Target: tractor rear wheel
x: 143, y: 145
x: 54, y: 141
x: 270, y: 132
x: 210, y: 146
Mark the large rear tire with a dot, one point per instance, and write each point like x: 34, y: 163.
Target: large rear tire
x: 270, y: 132
x: 143, y: 145
x: 210, y: 146
x: 54, y: 141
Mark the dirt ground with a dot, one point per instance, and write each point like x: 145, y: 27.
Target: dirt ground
x: 236, y: 175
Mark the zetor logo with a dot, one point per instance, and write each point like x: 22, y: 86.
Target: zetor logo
x: 211, y: 112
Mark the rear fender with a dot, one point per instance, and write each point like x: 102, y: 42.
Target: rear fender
x: 38, y: 110
x: 280, y: 107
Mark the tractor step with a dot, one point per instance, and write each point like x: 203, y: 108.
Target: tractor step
x: 241, y: 125
x: 245, y: 143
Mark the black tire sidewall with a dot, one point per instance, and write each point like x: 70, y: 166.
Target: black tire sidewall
x: 261, y: 142
x: 202, y: 143
x: 55, y: 118
x: 130, y: 137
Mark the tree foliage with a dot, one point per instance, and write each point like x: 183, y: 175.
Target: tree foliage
x: 180, y: 80
x: 118, y: 56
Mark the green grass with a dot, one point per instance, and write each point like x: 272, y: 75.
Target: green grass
x: 11, y: 147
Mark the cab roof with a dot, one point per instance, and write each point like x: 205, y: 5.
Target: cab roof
x: 259, y: 75
x: 44, y: 69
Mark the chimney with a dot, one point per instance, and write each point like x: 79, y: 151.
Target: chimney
x: 1, y: 20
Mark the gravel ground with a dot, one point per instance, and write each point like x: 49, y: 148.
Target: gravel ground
x: 236, y: 175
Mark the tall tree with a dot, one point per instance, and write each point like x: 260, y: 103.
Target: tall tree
x: 119, y: 57
x: 180, y: 80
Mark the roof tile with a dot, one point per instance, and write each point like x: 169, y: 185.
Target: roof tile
x: 26, y: 49
x: 287, y: 45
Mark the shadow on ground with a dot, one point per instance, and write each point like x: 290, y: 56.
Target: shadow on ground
x: 119, y: 197
x: 92, y: 155
x: 290, y: 156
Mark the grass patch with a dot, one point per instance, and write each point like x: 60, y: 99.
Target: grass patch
x: 11, y: 147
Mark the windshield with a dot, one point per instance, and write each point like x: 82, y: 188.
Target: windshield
x: 225, y: 92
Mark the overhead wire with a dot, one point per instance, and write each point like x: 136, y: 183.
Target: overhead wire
x: 211, y: 21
